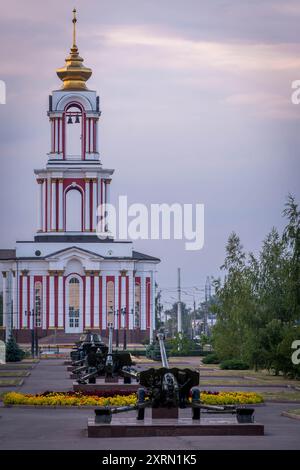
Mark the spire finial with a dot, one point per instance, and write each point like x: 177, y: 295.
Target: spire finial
x: 74, y: 21
x: 74, y: 74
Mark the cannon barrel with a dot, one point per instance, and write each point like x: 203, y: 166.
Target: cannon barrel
x: 163, y: 354
x: 79, y: 369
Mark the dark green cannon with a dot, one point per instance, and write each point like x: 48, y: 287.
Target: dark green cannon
x: 100, y: 361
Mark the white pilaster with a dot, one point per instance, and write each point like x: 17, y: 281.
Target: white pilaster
x: 32, y: 302
x: 94, y: 218
x: 152, y: 306
x: 60, y: 206
x: 51, y: 301
x: 25, y: 312
x: 60, y: 301
x: 104, y: 316
x: 87, y: 301
x: 131, y: 300
x: 87, y: 205
x: 96, y: 301
x: 4, y: 299
x: 44, y: 294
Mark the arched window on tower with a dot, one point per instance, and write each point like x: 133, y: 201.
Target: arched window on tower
x: 74, y: 134
x: 74, y: 210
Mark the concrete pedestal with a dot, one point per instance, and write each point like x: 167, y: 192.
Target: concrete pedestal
x: 130, y: 427
x: 101, y: 385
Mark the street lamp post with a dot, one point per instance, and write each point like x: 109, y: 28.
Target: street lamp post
x: 117, y: 328
x: 123, y: 312
x: 33, y: 333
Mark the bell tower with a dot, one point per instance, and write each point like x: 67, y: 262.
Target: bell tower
x: 74, y: 183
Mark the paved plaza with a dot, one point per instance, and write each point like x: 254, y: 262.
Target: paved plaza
x: 22, y: 428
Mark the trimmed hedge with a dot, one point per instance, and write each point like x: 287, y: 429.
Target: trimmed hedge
x: 234, y: 364
x: 211, y: 358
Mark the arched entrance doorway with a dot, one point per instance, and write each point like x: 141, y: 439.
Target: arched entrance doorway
x: 74, y: 304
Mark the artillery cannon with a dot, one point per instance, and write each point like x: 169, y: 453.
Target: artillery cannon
x: 103, y: 361
x: 82, y: 347
x: 163, y: 388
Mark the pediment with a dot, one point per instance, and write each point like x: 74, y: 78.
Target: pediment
x: 74, y: 252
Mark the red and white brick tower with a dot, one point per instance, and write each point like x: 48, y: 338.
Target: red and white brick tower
x: 67, y: 278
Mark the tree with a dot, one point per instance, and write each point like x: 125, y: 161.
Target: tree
x: 258, y: 303
x: 158, y: 310
x: 181, y: 344
x: 171, y: 323
x: 13, y: 352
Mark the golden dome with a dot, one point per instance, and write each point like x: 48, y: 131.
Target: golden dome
x: 74, y: 74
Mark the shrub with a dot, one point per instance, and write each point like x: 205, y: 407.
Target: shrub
x: 234, y: 364
x: 13, y: 351
x: 211, y: 359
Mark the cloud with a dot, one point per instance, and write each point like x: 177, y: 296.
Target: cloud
x: 180, y: 52
x: 264, y: 105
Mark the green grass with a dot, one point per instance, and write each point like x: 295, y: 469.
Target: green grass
x: 284, y: 395
x: 10, y: 382
x: 295, y: 412
x: 15, y: 365
x: 14, y: 373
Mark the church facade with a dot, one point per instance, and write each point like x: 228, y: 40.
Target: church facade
x: 67, y: 278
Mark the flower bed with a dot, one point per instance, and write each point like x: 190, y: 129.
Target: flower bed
x: 67, y: 399
x: 80, y: 399
x: 230, y: 398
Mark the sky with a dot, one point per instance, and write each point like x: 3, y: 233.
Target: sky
x: 196, y: 108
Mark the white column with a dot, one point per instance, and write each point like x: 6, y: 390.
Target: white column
x: 143, y: 301
x: 96, y: 301
x: 60, y: 206
x: 44, y: 304
x: 104, y: 316
x: 87, y: 204
x: 4, y: 299
x: 107, y: 196
x: 94, y: 218
x: 131, y: 300
x: 44, y: 212
x: 53, y: 204
x: 60, y: 300
x: 40, y: 205
x: 25, y: 312
x: 87, y: 301
x: 48, y: 189
x: 51, y: 301
x: 102, y: 192
x: 14, y: 299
